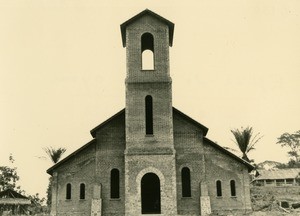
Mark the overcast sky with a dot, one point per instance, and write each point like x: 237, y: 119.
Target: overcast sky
x: 62, y: 69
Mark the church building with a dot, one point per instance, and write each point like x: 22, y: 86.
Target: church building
x: 149, y: 158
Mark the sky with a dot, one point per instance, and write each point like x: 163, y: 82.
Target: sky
x: 234, y: 63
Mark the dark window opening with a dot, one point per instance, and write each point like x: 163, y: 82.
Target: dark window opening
x: 115, y: 184
x: 232, y: 188
x: 147, y: 42
x: 68, y: 191
x: 149, y: 115
x: 186, y: 182
x: 82, y: 191
x: 150, y: 194
x: 147, y: 48
x: 219, y: 188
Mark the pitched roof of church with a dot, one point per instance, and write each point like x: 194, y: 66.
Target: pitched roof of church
x: 122, y: 112
x: 215, y: 145
x: 50, y: 170
x: 202, y: 127
x: 94, y: 130
x: 144, y: 12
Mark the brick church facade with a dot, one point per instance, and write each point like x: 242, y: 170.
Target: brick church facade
x: 149, y: 158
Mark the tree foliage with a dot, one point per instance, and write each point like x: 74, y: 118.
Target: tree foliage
x: 292, y: 141
x: 8, y: 176
x: 245, y: 140
x: 37, y: 204
x: 290, y: 164
x: 8, y: 180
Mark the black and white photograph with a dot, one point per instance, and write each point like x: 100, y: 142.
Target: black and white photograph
x: 135, y: 107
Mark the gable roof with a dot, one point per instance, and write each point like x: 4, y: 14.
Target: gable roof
x: 215, y: 145
x: 278, y: 174
x: 94, y: 130
x: 50, y: 170
x: 9, y: 193
x: 147, y: 11
x: 12, y: 197
x: 122, y: 112
x: 202, y: 127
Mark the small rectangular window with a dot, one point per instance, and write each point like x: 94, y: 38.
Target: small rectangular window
x: 186, y: 182
x: 149, y: 115
x: 114, y: 184
x: 68, y: 191
x: 219, y: 188
x: 232, y: 188
x: 82, y: 191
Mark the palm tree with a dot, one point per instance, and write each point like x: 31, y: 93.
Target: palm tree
x: 245, y: 141
x: 54, y: 155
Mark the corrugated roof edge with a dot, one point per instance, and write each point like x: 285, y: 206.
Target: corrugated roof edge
x: 13, y: 193
x: 277, y: 174
x: 250, y: 167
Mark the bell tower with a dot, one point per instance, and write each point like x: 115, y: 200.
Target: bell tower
x: 149, y: 150
x: 147, y: 38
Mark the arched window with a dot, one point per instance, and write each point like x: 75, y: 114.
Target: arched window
x: 114, y: 184
x: 82, y: 191
x: 68, y: 191
x: 232, y: 188
x: 147, y: 48
x: 219, y: 188
x: 149, y: 115
x: 186, y: 182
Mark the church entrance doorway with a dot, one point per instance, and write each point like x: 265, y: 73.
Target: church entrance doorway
x: 150, y: 192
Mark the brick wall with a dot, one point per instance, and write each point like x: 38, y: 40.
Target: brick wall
x: 110, y: 155
x: 77, y: 170
x: 220, y: 166
x: 191, y: 152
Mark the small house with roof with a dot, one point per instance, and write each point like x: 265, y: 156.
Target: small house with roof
x: 149, y: 158
x: 13, y: 203
x: 278, y: 177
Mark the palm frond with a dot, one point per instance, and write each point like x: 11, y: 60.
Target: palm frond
x: 245, y: 141
x: 54, y: 154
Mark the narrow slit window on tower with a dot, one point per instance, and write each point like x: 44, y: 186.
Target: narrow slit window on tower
x: 149, y: 115
x: 114, y: 184
x: 186, y: 182
x: 82, y: 191
x: 147, y: 48
x: 68, y: 191
x: 219, y: 188
x: 232, y: 188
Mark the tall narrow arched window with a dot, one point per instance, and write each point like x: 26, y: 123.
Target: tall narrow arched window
x: 232, y: 188
x: 114, y: 184
x: 82, y: 191
x: 68, y: 191
x: 147, y: 48
x: 149, y: 115
x: 219, y: 188
x: 186, y: 182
